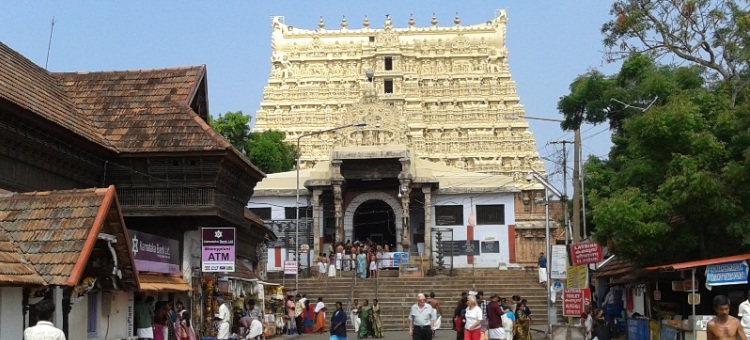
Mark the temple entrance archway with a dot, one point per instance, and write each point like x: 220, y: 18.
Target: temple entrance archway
x: 375, y: 219
x: 384, y: 199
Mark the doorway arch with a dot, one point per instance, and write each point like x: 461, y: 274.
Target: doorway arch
x: 375, y: 220
x: 369, y: 196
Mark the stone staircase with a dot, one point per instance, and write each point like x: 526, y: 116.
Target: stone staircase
x: 396, y: 294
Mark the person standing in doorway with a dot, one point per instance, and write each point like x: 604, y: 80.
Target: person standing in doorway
x: 44, y: 329
x: 724, y: 326
x: 542, y: 263
x: 421, y: 319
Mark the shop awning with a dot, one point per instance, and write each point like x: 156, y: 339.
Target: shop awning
x: 700, y: 263
x: 615, y: 268
x: 163, y: 283
x: 242, y: 273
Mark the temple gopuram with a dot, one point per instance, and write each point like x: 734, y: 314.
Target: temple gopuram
x: 445, y: 138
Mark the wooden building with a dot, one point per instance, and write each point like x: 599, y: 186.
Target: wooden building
x: 146, y: 133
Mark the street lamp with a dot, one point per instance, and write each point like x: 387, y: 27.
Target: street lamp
x: 296, y: 227
x: 551, y: 317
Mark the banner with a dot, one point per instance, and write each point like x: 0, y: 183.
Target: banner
x: 585, y: 253
x: 217, y: 252
x: 577, y: 276
x: 729, y: 273
x: 155, y: 253
x: 558, y: 262
x: 575, y: 300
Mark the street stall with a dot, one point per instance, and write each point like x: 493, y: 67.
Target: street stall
x: 699, y: 282
x: 273, y: 309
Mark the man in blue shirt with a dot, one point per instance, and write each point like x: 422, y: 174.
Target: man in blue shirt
x: 542, y: 262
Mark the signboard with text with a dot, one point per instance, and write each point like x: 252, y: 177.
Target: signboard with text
x: 730, y: 273
x: 155, y: 253
x: 218, y: 250
x: 585, y: 253
x: 290, y: 267
x: 558, y: 262
x: 575, y: 300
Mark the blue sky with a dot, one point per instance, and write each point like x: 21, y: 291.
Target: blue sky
x: 549, y: 43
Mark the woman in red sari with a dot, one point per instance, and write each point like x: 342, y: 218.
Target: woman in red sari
x: 308, y: 317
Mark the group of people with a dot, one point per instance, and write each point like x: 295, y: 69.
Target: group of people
x: 366, y: 319
x: 366, y: 258
x: 158, y: 320
x: 496, y: 319
x: 305, y: 317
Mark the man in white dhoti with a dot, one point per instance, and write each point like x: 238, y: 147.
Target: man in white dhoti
x: 542, y: 262
x: 225, y: 320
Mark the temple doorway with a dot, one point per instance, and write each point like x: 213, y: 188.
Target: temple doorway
x: 374, y: 219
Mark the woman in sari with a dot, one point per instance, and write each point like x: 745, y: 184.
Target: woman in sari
x: 355, y: 315
x: 338, y: 323
x: 365, y: 325
x: 377, y: 325
x: 522, y: 324
x: 308, y: 318
x: 362, y: 265
x: 320, y: 316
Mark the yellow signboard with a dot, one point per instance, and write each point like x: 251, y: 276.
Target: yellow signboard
x: 577, y: 276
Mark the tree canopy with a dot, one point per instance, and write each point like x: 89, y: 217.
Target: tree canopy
x: 267, y: 149
x: 675, y: 186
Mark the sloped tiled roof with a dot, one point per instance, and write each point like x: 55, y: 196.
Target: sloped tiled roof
x: 55, y: 231
x: 33, y: 88
x: 14, y: 269
x: 144, y: 110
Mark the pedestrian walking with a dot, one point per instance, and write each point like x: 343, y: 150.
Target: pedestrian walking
x: 44, y: 329
x: 338, y: 323
x: 421, y: 319
x: 474, y: 320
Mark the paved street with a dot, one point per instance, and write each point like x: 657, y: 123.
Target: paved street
x: 395, y: 335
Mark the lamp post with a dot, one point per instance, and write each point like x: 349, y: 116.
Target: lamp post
x: 551, y: 312
x: 296, y: 225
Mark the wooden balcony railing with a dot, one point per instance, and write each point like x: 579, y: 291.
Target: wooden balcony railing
x: 176, y: 197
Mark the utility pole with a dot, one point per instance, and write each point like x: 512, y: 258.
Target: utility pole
x: 577, y: 186
x: 564, y: 198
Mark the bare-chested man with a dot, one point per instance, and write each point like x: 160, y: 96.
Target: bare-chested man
x: 724, y: 326
x: 435, y: 303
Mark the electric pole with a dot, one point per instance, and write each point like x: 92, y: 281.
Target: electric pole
x: 564, y: 198
x: 577, y: 186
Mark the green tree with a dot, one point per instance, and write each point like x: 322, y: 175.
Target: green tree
x: 675, y: 186
x: 270, y: 152
x: 267, y: 150
x: 714, y: 34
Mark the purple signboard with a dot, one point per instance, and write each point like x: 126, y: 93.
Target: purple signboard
x: 217, y: 253
x: 154, y: 253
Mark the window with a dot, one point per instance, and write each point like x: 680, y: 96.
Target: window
x: 372, y: 39
x: 304, y: 212
x: 491, y: 214
x: 388, y: 63
x: 388, y: 86
x: 93, y: 315
x: 263, y: 213
x: 449, y: 215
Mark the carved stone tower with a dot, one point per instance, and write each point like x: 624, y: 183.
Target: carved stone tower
x: 444, y: 92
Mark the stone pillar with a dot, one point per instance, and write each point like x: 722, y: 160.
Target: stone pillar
x: 338, y: 198
x: 427, y: 220
x: 338, y: 202
x: 316, y: 220
x: 405, y: 178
